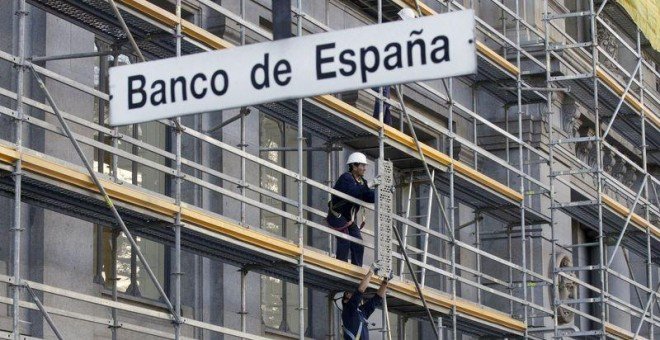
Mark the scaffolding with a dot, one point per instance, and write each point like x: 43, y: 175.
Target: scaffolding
x: 457, y: 283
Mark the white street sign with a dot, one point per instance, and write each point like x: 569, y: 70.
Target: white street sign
x: 370, y: 56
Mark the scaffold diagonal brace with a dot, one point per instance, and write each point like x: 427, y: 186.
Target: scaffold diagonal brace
x: 103, y: 193
x: 43, y: 310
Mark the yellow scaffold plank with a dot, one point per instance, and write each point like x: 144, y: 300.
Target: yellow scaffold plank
x: 41, y: 165
x: 169, y: 19
x: 407, y: 288
x: 342, y: 107
x: 636, y: 219
x: 198, y: 217
x: 636, y: 104
x: 481, y: 47
x: 432, y: 153
x: 620, y: 332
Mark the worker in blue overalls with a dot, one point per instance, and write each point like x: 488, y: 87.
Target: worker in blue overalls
x: 343, y: 215
x: 355, y: 313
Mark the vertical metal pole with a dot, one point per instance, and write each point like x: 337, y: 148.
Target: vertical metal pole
x: 452, y: 204
x: 244, y: 312
x: 477, y: 231
x: 18, y: 168
x: 177, y: 199
x: 115, y: 232
x: 508, y: 227
x: 115, y: 131
x: 113, y: 278
x: 599, y: 176
x: 649, y: 259
x: 386, y: 321
x: 477, y: 243
x: 402, y: 327
x: 381, y: 159
x: 521, y: 166
x: 100, y: 166
x: 331, y: 317
x: 507, y: 144
x: 301, y: 211
x: 475, y: 91
x: 329, y: 196
x: 425, y: 246
x: 509, y: 238
x: 551, y: 149
x: 243, y: 145
x: 405, y: 226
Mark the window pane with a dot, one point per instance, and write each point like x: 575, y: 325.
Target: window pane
x: 154, y: 253
x: 271, y: 301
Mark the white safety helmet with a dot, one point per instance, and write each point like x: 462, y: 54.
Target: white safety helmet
x: 407, y: 13
x: 357, y: 157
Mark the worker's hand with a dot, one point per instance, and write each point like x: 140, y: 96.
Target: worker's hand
x: 374, y: 267
x: 376, y: 181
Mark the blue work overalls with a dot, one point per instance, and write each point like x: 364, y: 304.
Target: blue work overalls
x: 354, y: 316
x: 349, y: 185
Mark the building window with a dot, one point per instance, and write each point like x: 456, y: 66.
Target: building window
x: 132, y: 278
x: 188, y: 11
x: 279, y: 299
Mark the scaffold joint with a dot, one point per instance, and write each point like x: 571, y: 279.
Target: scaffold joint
x: 111, y: 325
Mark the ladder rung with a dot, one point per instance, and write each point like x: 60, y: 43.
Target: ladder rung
x: 571, y: 77
x: 567, y: 15
x: 536, y: 192
x: 578, y: 269
x: 574, y: 204
x: 573, y: 172
x: 580, y: 301
x: 560, y: 47
x: 574, y: 140
x: 580, y: 334
x: 591, y: 244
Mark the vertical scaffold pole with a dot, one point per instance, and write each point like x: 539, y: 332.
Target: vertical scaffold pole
x: 452, y: 203
x: 243, y: 312
x: 18, y: 168
x: 381, y: 158
x: 177, y: 199
x: 301, y: 211
x: 405, y: 226
x: 599, y: 176
x: 243, y: 145
x: 115, y: 233
x: 551, y: 155
x: 649, y: 259
x: 113, y: 276
x: 521, y: 166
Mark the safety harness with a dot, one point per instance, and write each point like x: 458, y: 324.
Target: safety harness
x: 332, y: 209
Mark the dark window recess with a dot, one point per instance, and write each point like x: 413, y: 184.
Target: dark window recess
x: 170, y: 6
x: 266, y: 24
